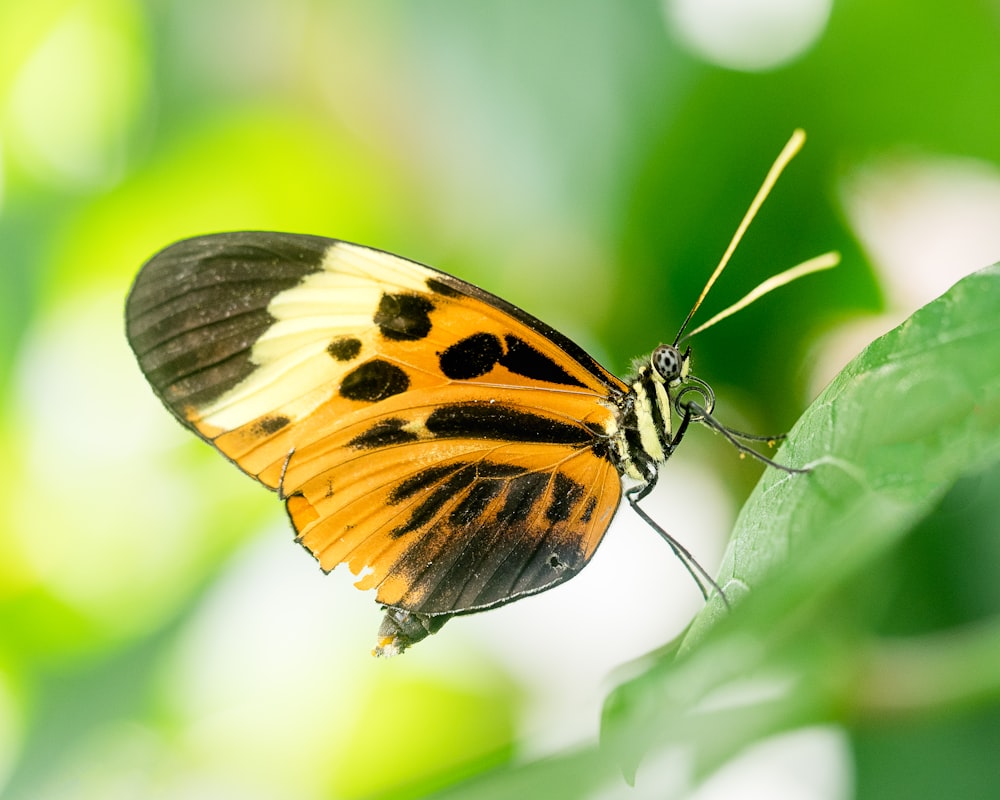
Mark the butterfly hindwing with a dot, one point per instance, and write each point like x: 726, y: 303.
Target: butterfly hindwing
x: 447, y: 446
x: 457, y: 524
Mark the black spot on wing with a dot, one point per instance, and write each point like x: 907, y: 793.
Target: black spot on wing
x: 436, y: 500
x: 522, y: 495
x: 344, y: 348
x: 404, y: 316
x: 601, y: 448
x: 476, y: 420
x: 492, y: 479
x: 471, y: 357
x: 476, y: 501
x: 423, y: 479
x: 588, y: 511
x: 566, y: 493
x: 477, y: 354
x: 498, y: 469
x: 493, y: 470
x: 523, y: 359
x: 383, y: 434
x: 265, y: 426
x: 373, y: 381
x: 448, y: 285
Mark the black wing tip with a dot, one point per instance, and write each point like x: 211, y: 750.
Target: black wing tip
x: 196, y: 288
x: 178, y: 260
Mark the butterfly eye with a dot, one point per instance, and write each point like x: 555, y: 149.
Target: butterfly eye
x: 667, y: 362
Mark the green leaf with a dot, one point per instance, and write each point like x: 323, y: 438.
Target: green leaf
x: 913, y: 413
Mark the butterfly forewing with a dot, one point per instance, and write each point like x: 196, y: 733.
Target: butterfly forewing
x: 450, y: 448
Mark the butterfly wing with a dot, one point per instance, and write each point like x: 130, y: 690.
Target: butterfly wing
x: 451, y: 449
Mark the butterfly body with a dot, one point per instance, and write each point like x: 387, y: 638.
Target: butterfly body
x: 455, y: 452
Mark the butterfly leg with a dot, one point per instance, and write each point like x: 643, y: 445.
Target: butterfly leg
x: 734, y: 437
x: 701, y: 577
x: 400, y: 629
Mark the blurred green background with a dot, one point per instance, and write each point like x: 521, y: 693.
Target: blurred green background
x: 161, y: 636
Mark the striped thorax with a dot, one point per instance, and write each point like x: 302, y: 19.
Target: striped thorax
x: 645, y: 433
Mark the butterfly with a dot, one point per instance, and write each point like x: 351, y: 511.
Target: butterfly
x: 455, y: 452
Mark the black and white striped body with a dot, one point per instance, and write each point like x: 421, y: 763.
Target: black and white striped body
x: 645, y: 436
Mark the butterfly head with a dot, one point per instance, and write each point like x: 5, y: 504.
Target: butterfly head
x: 671, y: 367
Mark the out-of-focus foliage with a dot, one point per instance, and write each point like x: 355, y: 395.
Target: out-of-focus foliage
x: 159, y: 633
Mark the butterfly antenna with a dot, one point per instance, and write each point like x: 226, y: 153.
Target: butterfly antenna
x: 787, y: 154
x: 817, y: 264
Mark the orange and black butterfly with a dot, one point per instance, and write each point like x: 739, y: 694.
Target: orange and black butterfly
x: 454, y: 451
